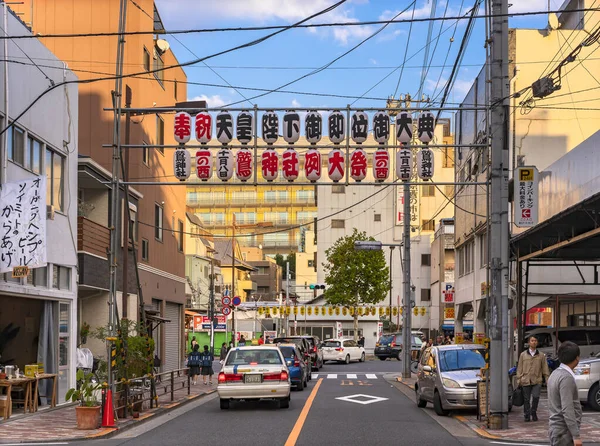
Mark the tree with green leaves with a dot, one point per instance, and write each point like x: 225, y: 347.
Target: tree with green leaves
x: 355, y: 277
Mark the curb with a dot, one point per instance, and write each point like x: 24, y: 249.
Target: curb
x: 108, y: 432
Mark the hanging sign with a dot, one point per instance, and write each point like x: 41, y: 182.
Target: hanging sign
x: 404, y: 161
x: 313, y: 127
x: 181, y: 164
x: 312, y: 165
x: 425, y: 164
x: 270, y: 164
x: 449, y: 313
x: 291, y: 127
x: 336, y: 165
x: 244, y: 164
x: 358, y: 165
x: 182, y: 130
x: 224, y: 164
x: 381, y: 164
x: 203, y: 127
x: 290, y: 164
x: 404, y: 127
x: 381, y: 127
x: 337, y: 127
x: 425, y: 126
x: 224, y: 127
x: 245, y: 127
x: 270, y: 127
x: 359, y: 127
x: 204, y: 163
x: 526, y: 193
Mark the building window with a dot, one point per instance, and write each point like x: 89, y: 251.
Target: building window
x: 448, y: 154
x: 483, y: 250
x: 146, y: 60
x: 40, y: 277
x: 276, y: 217
x: 145, y: 249
x: 338, y: 224
x: 311, y: 263
x: 449, y: 191
x: 158, y: 67
x: 34, y: 161
x: 16, y: 145
x: 245, y: 217
x: 180, y: 233
x: 425, y: 259
x: 338, y: 189
x: 145, y: 154
x: 160, y: 133
x: 132, y: 222
x: 377, y: 217
x: 61, y: 277
x: 425, y: 294
x: 305, y: 196
x: 428, y: 225
x: 305, y: 216
x: 465, y: 258
x: 158, y: 222
x: 428, y: 191
x: 243, y: 196
x: 55, y: 165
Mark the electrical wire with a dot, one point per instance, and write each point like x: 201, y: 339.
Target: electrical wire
x: 406, y: 49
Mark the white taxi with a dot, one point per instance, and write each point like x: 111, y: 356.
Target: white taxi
x: 342, y: 350
x: 254, y: 372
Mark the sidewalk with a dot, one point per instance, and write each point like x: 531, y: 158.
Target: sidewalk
x: 519, y: 430
x: 59, y: 424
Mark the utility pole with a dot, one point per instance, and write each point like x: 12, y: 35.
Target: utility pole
x: 391, y: 257
x: 115, y: 189
x: 499, y: 230
x: 287, y: 297
x: 212, y: 306
x: 233, y: 330
x: 124, y: 293
x: 407, y: 322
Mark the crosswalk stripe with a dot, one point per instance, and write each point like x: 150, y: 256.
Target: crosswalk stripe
x: 371, y: 376
x: 314, y: 375
x: 351, y: 376
x: 332, y: 376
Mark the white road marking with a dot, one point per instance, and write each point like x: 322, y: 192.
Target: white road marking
x: 314, y: 375
x: 517, y: 444
x: 351, y: 375
x: 30, y: 444
x: 331, y: 376
x: 371, y: 376
x: 367, y: 399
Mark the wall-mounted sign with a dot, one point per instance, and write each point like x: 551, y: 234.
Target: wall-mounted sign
x: 526, y: 197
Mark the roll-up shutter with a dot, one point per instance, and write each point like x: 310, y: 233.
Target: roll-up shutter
x: 172, y: 336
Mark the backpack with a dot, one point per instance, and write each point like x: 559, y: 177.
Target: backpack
x: 194, y: 359
x: 206, y: 359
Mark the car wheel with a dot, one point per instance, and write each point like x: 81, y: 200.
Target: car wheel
x: 420, y: 402
x: 383, y: 358
x: 399, y: 356
x: 414, y: 367
x: 347, y: 361
x: 594, y: 397
x: 437, y: 405
x: 362, y: 357
x: 300, y: 386
x: 224, y: 404
x: 284, y: 403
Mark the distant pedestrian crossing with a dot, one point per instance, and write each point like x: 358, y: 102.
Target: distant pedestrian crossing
x: 344, y: 375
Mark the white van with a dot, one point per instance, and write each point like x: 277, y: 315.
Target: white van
x: 587, y: 338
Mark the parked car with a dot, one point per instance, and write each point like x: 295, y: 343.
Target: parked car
x: 316, y: 351
x: 587, y: 338
x: 342, y: 350
x: 296, y: 365
x: 447, y: 377
x: 301, y: 343
x: 587, y: 378
x: 390, y: 345
x: 252, y: 373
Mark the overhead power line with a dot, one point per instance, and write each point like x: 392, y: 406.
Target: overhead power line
x: 284, y: 27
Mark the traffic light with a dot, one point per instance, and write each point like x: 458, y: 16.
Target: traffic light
x: 317, y: 286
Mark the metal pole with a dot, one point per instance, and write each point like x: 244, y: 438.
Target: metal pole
x: 212, y: 306
x: 126, y: 235
x: 4, y: 148
x: 391, y: 282
x: 114, y: 216
x: 406, y: 329
x: 287, y: 296
x: 499, y: 215
x: 233, y: 330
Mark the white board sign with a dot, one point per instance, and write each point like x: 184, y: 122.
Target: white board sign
x: 23, y: 224
x: 526, y: 196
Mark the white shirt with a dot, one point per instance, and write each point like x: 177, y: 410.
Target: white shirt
x: 568, y: 369
x: 532, y: 352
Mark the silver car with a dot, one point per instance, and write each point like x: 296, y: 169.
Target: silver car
x: 253, y: 373
x: 587, y: 378
x: 447, y: 377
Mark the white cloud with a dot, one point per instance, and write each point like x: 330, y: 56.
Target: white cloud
x: 296, y: 104
x: 213, y: 101
x: 460, y: 89
x: 186, y: 13
x: 421, y: 12
x: 373, y: 61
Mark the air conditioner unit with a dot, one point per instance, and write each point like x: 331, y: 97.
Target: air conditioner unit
x: 49, y: 212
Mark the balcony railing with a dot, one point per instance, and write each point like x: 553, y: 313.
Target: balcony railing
x: 92, y: 237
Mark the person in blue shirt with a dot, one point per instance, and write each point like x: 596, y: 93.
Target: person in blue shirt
x: 206, y: 369
x: 194, y: 363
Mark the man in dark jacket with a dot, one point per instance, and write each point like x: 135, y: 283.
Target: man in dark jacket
x: 532, y: 368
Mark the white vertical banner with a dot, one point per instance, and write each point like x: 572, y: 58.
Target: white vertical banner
x: 526, y: 196
x: 339, y: 330
x: 23, y: 224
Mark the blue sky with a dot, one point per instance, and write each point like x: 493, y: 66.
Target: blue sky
x: 296, y: 52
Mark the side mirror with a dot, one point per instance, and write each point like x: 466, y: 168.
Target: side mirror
x: 427, y: 368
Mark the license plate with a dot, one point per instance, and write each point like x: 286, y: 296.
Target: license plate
x: 253, y: 379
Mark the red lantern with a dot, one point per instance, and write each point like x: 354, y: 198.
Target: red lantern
x: 182, y: 128
x: 381, y: 165
x: 312, y: 165
x: 291, y: 164
x: 244, y: 164
x: 336, y: 165
x: 204, y: 161
x: 270, y: 164
x: 203, y: 127
x: 358, y: 165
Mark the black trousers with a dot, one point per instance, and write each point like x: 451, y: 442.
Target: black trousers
x: 531, y: 395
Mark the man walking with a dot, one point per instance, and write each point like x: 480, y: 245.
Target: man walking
x: 563, y: 400
x: 530, y: 370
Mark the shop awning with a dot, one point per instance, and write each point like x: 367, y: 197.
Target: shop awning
x: 447, y: 327
x: 191, y: 313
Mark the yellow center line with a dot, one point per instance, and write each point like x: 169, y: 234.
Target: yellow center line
x: 291, y: 441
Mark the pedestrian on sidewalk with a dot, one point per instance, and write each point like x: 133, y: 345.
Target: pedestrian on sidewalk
x: 361, y: 342
x: 242, y: 341
x: 223, y: 353
x: 531, y: 370
x: 193, y: 343
x: 206, y: 370
x: 261, y: 340
x: 563, y: 401
x: 194, y: 362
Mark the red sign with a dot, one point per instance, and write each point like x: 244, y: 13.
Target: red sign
x: 226, y: 311
x: 526, y: 213
x: 204, y: 162
x: 202, y: 323
x: 226, y: 301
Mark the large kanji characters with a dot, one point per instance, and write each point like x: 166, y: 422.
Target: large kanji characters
x: 381, y: 127
x: 182, y: 127
x: 336, y: 162
x: 203, y: 127
x: 290, y: 164
x: 270, y: 127
x: 270, y: 164
x: 381, y: 165
x: 312, y: 165
x: 404, y: 164
x: 359, y: 127
x: 245, y: 127
x: 425, y: 163
x: 224, y: 127
x: 181, y: 164
x: 337, y: 127
x: 404, y: 127
x: 358, y: 165
x: 425, y: 126
x: 224, y: 164
x: 244, y: 164
x: 313, y: 127
x: 204, y: 164
x: 291, y: 127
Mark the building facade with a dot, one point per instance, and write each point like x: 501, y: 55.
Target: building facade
x: 159, y: 240
x: 38, y: 313
x: 442, y: 278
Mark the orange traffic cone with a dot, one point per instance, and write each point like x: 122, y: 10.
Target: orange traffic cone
x: 108, y: 415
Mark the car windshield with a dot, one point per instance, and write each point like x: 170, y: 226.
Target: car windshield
x: 253, y: 357
x: 288, y: 352
x: 417, y: 341
x: 386, y: 340
x: 296, y: 341
x: 331, y: 344
x: 451, y: 360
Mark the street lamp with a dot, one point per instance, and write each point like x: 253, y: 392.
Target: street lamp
x: 406, y: 329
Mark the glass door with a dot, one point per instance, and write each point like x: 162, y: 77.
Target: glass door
x: 64, y: 366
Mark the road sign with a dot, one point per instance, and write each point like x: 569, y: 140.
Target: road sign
x: 226, y: 311
x: 236, y: 301
x: 367, y: 246
x: 226, y: 301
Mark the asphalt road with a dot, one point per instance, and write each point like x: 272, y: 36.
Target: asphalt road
x: 331, y: 411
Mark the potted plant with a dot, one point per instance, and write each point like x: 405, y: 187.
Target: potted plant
x: 84, y: 331
x: 88, y: 411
